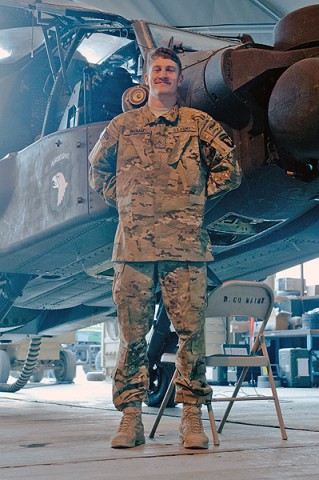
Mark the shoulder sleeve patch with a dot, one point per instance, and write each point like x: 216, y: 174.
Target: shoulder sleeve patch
x: 215, y: 136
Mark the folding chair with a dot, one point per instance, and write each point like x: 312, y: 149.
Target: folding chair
x: 243, y: 299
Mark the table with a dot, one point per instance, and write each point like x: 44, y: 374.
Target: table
x: 298, y: 332
x: 310, y: 334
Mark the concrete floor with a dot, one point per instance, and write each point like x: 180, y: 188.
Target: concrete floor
x: 51, y: 431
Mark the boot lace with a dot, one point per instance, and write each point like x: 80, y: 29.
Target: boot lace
x: 127, y: 422
x: 193, y: 422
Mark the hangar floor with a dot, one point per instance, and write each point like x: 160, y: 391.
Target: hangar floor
x: 51, y: 431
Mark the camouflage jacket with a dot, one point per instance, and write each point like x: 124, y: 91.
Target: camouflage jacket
x: 158, y: 172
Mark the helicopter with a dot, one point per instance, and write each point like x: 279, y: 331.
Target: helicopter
x: 64, y: 73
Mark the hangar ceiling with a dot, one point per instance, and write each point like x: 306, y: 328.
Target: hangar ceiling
x: 201, y: 12
x: 225, y: 17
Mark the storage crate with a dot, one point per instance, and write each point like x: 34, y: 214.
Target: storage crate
x: 294, y: 365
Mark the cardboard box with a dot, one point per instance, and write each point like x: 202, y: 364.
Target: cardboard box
x: 237, y: 326
x: 278, y: 320
x: 281, y: 322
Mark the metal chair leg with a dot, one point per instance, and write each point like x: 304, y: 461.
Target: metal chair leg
x: 167, y: 396
x: 212, y: 423
x: 231, y: 402
x: 275, y: 395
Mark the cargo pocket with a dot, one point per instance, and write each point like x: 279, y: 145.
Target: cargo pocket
x: 198, y: 285
x: 123, y: 202
x: 118, y: 271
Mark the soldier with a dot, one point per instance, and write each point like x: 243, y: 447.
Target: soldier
x: 157, y: 165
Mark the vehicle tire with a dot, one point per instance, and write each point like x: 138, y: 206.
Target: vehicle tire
x: 66, y: 367
x: 98, y: 361
x: 95, y: 377
x: 4, y: 366
x: 160, y: 377
x: 37, y: 376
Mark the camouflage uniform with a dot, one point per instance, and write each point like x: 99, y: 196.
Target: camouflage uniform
x: 158, y: 173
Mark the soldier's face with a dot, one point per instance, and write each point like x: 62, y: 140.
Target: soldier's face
x: 163, y: 77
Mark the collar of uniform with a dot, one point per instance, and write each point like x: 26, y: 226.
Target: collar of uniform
x: 170, y: 117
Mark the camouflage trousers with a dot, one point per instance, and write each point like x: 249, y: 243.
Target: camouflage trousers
x: 183, y: 286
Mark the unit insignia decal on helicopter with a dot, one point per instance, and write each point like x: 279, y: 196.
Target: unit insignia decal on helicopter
x: 59, y: 182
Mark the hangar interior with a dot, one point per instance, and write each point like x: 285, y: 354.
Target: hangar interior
x: 222, y: 17
x: 232, y: 18
x: 51, y: 430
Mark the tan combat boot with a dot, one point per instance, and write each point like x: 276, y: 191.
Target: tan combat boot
x: 131, y: 430
x: 191, y: 428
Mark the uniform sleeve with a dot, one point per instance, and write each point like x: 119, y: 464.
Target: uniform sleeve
x: 219, y: 153
x: 102, y: 172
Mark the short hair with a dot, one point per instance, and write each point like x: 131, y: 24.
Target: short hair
x: 163, y: 52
